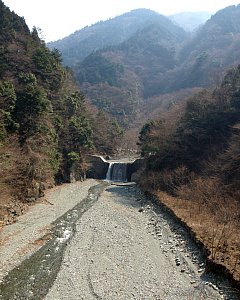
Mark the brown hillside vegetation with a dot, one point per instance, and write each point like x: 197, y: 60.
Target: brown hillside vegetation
x: 46, y: 128
x: 212, y: 216
x: 193, y: 164
x: 10, y: 172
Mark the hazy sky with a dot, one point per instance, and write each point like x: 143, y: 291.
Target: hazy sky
x: 59, y: 18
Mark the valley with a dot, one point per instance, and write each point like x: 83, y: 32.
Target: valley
x: 140, y: 85
x: 152, y: 61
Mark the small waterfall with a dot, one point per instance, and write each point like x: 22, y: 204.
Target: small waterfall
x: 117, y: 172
x: 109, y: 171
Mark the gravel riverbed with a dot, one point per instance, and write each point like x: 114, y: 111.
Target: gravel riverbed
x: 98, y: 240
x: 122, y: 249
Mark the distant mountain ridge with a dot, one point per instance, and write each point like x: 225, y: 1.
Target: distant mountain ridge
x: 190, y: 21
x: 77, y: 46
x: 158, y: 58
x: 213, y: 49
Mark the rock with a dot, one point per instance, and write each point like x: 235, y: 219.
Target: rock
x: 31, y: 199
x: 183, y: 270
x: 42, y: 188
x: 13, y: 212
x: 215, y: 287
x: 178, y: 262
x: 140, y: 209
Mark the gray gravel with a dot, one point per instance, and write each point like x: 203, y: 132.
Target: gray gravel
x: 20, y: 240
x: 123, y: 250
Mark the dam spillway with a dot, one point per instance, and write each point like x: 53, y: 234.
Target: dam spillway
x: 122, y: 170
x: 117, y: 171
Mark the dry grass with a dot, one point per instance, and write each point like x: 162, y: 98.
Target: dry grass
x: 167, y: 180
x: 213, y: 216
x: 11, y: 181
x: 18, y: 169
x: 203, y: 204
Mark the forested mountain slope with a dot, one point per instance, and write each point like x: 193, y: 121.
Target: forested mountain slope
x: 157, y: 58
x: 46, y: 128
x: 77, y: 46
x: 213, y: 49
x: 117, y: 78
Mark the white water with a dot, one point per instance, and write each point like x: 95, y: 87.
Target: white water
x: 108, y: 176
x: 117, y: 171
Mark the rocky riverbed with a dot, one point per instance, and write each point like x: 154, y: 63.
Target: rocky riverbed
x: 116, y: 246
x: 124, y: 250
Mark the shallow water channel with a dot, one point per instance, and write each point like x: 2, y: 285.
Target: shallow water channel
x: 33, y: 278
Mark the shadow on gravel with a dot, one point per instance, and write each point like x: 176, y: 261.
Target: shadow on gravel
x: 33, y: 278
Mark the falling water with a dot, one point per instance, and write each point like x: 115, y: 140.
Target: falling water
x: 117, y: 172
x: 108, y: 176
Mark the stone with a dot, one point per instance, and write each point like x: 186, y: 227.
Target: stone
x: 177, y: 260
x: 183, y: 270
x: 31, y: 199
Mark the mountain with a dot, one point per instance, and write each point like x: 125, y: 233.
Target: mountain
x: 77, y: 46
x: 213, y: 49
x: 190, y: 21
x: 117, y: 77
x: 157, y: 57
